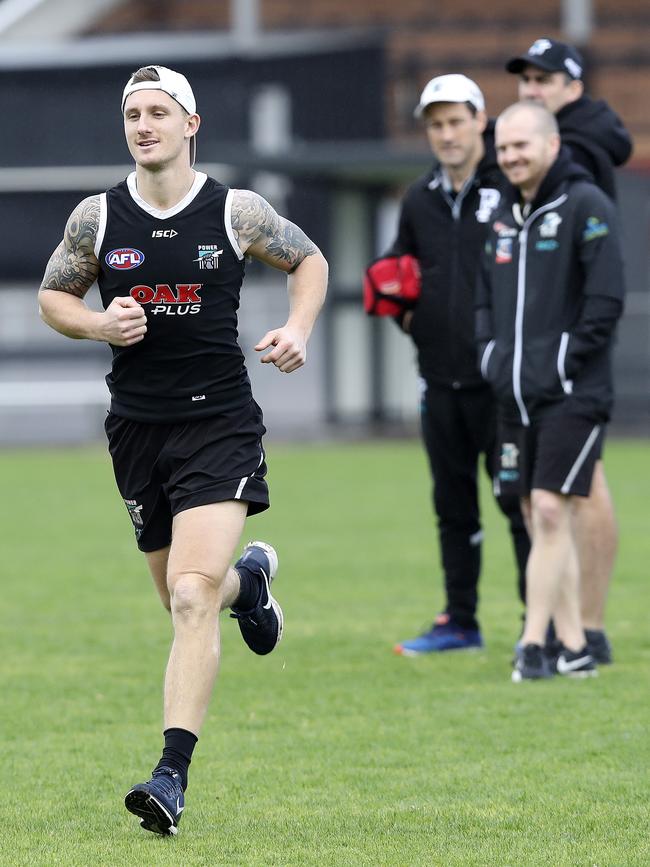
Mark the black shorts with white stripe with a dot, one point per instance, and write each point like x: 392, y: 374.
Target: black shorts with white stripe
x: 164, y: 469
x: 556, y: 453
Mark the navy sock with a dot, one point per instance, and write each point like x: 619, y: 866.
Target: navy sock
x: 249, y: 589
x: 177, y: 752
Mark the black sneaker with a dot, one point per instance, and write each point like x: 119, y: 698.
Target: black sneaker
x: 159, y: 803
x: 530, y: 664
x: 552, y: 650
x: 599, y: 646
x: 261, y: 626
x: 552, y: 645
x: 578, y: 664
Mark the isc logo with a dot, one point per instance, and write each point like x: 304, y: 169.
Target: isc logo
x: 164, y: 233
x: 124, y: 259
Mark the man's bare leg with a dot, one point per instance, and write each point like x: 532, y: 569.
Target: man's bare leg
x: 566, y: 614
x: 157, y: 563
x: 549, y: 565
x: 201, y: 583
x: 194, y: 580
x: 597, y: 542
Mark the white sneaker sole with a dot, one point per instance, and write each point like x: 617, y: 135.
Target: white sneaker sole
x: 579, y: 674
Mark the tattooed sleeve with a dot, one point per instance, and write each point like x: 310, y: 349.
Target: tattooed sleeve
x: 263, y: 233
x: 73, y: 266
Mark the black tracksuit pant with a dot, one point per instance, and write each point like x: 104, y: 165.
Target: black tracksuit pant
x: 458, y: 426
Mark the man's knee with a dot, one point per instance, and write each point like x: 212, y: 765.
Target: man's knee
x: 549, y: 511
x: 193, y: 595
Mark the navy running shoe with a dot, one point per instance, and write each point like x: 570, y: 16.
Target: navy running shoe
x: 261, y: 626
x: 531, y: 663
x: 443, y: 635
x: 159, y: 803
x: 552, y: 650
x: 552, y: 646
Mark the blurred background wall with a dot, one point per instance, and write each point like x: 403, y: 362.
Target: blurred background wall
x: 310, y: 105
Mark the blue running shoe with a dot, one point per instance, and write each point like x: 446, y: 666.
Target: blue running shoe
x: 159, y: 803
x: 443, y: 635
x: 261, y: 626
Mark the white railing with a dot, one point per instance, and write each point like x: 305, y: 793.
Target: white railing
x: 45, y: 393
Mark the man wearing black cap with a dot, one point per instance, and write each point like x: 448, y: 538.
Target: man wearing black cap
x: 550, y: 73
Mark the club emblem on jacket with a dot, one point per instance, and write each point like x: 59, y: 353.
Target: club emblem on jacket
x: 489, y: 200
x: 503, y: 251
x: 549, y: 225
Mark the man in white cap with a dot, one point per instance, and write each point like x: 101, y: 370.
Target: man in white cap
x: 443, y: 224
x: 167, y: 249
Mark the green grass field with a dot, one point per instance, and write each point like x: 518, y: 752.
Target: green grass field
x: 331, y: 751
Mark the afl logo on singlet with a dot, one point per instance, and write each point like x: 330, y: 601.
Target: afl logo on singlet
x: 124, y: 259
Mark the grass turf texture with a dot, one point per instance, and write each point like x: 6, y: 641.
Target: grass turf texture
x: 331, y: 751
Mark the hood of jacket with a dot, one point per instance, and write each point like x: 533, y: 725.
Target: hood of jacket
x: 589, y: 122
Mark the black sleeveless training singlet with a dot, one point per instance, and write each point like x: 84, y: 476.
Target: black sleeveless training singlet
x: 185, y: 268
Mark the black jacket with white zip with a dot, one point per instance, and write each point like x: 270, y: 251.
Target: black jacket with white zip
x: 446, y: 233
x: 549, y: 294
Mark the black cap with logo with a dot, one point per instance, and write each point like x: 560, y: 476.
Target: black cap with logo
x: 551, y: 56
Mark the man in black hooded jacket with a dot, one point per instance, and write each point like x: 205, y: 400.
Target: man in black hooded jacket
x: 550, y: 73
x: 549, y: 296
x: 443, y: 223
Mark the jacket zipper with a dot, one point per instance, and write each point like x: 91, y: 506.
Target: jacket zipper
x: 455, y: 204
x: 485, y: 360
x: 519, y: 314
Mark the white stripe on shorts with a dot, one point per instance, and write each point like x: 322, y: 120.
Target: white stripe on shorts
x: 242, y: 483
x: 575, y: 469
x: 241, y: 487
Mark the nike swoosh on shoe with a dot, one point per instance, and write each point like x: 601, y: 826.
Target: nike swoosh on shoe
x: 564, y: 666
x: 268, y: 592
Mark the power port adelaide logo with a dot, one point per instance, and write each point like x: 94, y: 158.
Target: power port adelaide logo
x: 208, y: 257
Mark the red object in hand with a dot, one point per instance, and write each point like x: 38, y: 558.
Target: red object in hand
x: 391, y: 285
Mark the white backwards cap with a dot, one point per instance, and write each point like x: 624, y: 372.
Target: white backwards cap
x: 175, y: 85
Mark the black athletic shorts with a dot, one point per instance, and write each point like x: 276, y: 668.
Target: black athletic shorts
x: 556, y: 453
x: 163, y: 469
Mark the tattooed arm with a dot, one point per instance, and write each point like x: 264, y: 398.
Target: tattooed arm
x: 71, y: 271
x: 262, y: 233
